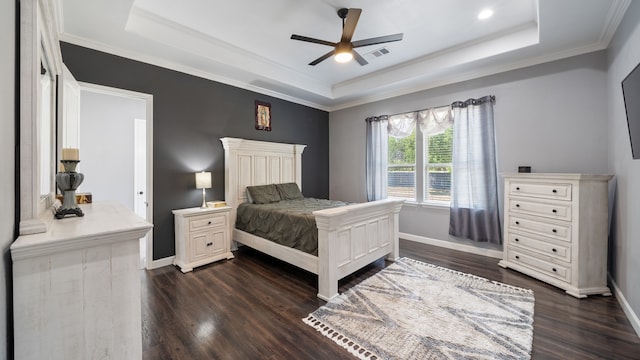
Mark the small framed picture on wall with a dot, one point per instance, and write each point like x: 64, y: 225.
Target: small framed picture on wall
x: 263, y: 116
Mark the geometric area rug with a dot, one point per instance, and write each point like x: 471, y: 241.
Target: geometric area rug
x: 414, y: 310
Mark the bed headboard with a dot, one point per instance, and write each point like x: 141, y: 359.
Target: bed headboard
x: 250, y: 162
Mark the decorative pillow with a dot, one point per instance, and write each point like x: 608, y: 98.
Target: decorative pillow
x: 249, y: 199
x: 264, y: 194
x: 289, y: 191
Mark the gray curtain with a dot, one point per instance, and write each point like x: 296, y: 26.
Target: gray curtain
x: 376, y: 167
x: 474, y: 203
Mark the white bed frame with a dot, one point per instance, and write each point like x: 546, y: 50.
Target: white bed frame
x: 349, y: 237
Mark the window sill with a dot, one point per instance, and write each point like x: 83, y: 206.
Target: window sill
x: 429, y: 205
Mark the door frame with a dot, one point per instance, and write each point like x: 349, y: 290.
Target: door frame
x: 148, y: 99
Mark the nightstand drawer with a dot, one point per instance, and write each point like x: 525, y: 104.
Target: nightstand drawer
x: 556, y: 231
x: 558, y: 271
x: 560, y: 210
x: 206, y: 221
x: 557, y: 191
x: 556, y: 251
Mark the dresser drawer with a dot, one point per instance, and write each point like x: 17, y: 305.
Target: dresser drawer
x: 556, y: 231
x: 206, y: 221
x: 557, y: 191
x: 560, y: 210
x: 531, y: 261
x: 556, y: 251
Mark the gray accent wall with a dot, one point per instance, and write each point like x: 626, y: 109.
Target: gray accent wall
x: 552, y: 117
x: 190, y: 115
x: 624, y: 246
x: 7, y: 162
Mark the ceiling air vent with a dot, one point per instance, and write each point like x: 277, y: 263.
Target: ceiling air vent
x: 380, y: 52
x: 377, y: 53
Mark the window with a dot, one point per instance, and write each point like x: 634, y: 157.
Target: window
x: 401, y: 173
x: 437, y: 168
x: 427, y: 147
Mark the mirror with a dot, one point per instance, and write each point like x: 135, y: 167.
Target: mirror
x: 40, y: 64
x: 45, y: 126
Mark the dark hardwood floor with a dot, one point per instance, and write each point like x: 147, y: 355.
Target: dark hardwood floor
x: 251, y: 308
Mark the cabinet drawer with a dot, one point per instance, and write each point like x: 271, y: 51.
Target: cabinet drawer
x: 558, y: 271
x: 557, y: 191
x: 206, y: 221
x: 556, y: 251
x: 556, y: 231
x: 560, y: 210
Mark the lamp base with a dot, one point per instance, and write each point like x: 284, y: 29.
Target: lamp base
x: 204, y: 203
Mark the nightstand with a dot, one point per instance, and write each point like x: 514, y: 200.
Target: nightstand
x: 202, y: 236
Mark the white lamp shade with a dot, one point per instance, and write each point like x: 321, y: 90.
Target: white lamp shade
x: 203, y: 180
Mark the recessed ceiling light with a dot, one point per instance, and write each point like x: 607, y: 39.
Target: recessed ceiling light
x: 485, y: 14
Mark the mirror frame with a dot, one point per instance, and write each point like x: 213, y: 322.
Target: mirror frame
x: 38, y: 30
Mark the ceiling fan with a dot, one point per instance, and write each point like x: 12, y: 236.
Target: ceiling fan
x: 345, y: 49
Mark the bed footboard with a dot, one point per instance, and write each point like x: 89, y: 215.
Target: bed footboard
x: 350, y: 237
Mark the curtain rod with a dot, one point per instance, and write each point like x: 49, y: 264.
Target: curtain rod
x: 491, y: 97
x: 429, y: 108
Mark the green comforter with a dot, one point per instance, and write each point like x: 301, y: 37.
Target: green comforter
x: 287, y: 222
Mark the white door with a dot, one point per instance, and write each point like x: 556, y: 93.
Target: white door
x: 125, y: 117
x: 140, y: 178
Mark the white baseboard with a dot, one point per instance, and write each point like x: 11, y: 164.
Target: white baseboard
x: 161, y: 262
x: 453, y: 246
x: 631, y: 315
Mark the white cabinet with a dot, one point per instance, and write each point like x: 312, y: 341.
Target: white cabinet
x: 556, y: 229
x: 202, y: 236
x: 76, y: 287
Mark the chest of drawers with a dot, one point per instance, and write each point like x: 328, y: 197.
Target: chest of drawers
x: 556, y: 230
x: 202, y: 236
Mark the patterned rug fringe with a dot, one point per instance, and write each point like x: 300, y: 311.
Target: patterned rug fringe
x: 476, y: 277
x: 345, y: 342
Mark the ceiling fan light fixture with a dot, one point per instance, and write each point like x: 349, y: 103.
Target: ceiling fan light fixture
x: 343, y: 57
x: 343, y: 53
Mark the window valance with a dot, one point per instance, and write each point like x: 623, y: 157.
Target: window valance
x: 431, y: 122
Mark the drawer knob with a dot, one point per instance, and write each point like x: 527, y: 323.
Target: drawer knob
x: 554, y: 211
x: 517, y: 205
x: 517, y: 222
x: 209, y: 222
x: 518, y: 188
x: 209, y: 244
x: 554, y: 250
x: 554, y: 191
x: 517, y: 257
x: 554, y: 230
x: 516, y: 239
x: 554, y: 270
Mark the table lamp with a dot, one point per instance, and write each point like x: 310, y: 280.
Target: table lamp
x: 203, y: 181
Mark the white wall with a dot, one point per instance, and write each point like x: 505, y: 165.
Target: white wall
x: 107, y: 145
x: 7, y: 163
x: 623, y: 56
x: 551, y: 117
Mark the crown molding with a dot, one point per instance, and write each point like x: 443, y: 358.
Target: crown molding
x: 152, y: 60
x: 470, y: 75
x: 614, y: 17
x: 333, y: 103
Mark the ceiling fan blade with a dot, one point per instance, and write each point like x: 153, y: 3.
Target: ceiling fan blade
x: 312, y: 40
x: 377, y: 40
x: 322, y: 58
x: 350, y: 25
x: 359, y: 58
